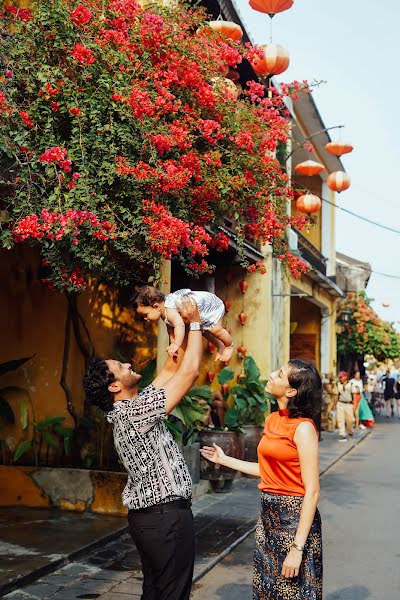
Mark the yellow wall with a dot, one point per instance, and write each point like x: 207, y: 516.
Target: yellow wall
x: 32, y: 322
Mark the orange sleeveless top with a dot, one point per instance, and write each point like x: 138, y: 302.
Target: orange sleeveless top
x: 278, y: 457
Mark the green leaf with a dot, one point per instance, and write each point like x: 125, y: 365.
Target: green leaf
x: 49, y: 439
x: 48, y: 422
x: 22, y: 448
x: 13, y: 365
x: 231, y: 418
x: 203, y: 392
x: 250, y: 368
x: 227, y: 374
x: 6, y: 411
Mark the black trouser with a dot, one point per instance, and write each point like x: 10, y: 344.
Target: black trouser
x: 164, y: 537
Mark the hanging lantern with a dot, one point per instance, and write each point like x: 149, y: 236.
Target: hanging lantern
x: 275, y: 60
x: 241, y: 350
x: 338, y: 148
x: 385, y: 304
x: 226, y: 88
x: 308, y: 203
x: 309, y: 168
x: 210, y: 376
x: 243, y: 318
x: 338, y: 181
x: 225, y: 388
x: 228, y: 276
x: 243, y: 286
x: 271, y: 7
x: 229, y: 29
x: 228, y: 305
x: 211, y: 347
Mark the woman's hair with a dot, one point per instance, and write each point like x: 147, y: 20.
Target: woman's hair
x: 148, y: 295
x: 96, y: 381
x: 304, y: 378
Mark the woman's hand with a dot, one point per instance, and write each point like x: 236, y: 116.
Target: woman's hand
x: 215, y: 454
x: 292, y: 562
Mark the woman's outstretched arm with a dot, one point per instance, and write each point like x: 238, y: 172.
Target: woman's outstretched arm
x: 218, y: 456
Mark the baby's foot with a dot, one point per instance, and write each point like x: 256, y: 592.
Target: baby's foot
x: 225, y: 354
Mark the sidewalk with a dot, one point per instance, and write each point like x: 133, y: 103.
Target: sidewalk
x: 69, y: 555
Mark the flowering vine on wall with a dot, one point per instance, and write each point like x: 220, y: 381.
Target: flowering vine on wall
x: 118, y: 148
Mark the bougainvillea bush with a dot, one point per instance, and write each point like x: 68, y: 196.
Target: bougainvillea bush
x: 365, y: 333
x: 122, y: 142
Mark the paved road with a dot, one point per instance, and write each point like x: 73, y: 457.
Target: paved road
x: 360, y: 508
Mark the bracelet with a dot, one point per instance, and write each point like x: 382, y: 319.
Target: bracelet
x: 195, y: 326
x: 299, y: 548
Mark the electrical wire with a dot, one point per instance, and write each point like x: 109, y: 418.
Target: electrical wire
x: 346, y: 210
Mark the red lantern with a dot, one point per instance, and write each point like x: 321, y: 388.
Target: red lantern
x: 225, y: 388
x: 243, y: 318
x: 228, y: 29
x: 210, y: 376
x: 338, y: 148
x: 228, y: 305
x: 241, y: 351
x: 275, y: 60
x: 226, y: 88
x: 309, y: 168
x: 308, y: 203
x: 271, y: 7
x: 243, y: 286
x: 338, y: 181
x: 211, y: 347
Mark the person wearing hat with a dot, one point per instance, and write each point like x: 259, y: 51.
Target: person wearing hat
x: 343, y: 403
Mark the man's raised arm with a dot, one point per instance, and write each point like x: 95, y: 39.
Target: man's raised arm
x: 181, y: 382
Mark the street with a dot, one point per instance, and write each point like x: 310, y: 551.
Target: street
x: 360, y: 496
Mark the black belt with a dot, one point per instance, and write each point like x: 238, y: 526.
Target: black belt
x: 345, y: 401
x: 162, y: 508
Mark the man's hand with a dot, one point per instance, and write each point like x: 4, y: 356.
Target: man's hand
x: 189, y: 310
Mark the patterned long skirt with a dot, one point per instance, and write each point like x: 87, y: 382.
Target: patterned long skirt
x: 276, y: 529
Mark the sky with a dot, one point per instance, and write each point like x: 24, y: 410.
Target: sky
x: 352, y: 45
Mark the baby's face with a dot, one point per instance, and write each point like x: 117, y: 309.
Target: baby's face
x: 149, y: 313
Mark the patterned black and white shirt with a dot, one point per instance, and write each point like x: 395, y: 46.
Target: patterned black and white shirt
x: 156, y: 468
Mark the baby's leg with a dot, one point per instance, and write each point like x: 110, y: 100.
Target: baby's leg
x: 224, y: 343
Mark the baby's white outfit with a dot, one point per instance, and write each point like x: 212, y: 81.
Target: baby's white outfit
x: 211, y: 308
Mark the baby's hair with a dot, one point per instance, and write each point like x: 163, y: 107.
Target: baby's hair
x: 148, y: 295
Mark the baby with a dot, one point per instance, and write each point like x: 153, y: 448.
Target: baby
x: 153, y: 305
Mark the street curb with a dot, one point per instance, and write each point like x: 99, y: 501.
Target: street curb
x: 36, y: 574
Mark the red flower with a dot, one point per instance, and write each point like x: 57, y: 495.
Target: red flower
x: 26, y: 118
x: 65, y: 165
x: 55, y: 107
x: 82, y: 54
x: 25, y: 14
x: 75, y: 111
x: 81, y: 15
x: 54, y: 154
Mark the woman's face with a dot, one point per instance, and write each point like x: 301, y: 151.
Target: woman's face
x: 278, y: 384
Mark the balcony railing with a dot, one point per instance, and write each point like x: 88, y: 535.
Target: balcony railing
x: 311, y: 254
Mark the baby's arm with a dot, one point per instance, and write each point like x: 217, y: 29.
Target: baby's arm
x: 178, y: 325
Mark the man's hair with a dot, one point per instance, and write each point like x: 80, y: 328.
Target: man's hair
x: 304, y: 378
x: 148, y: 295
x: 96, y: 381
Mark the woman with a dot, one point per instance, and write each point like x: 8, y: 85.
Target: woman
x: 288, y: 552
x: 397, y: 394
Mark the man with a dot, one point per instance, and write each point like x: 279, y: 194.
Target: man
x: 358, y: 386
x: 158, y: 491
x: 343, y: 404
x: 388, y: 393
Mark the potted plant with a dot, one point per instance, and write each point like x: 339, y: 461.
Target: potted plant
x: 218, y: 431
x: 251, y: 404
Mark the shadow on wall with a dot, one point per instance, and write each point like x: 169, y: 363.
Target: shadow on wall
x: 353, y: 592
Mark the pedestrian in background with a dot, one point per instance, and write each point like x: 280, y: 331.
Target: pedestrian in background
x: 397, y: 395
x: 388, y: 392
x: 288, y: 553
x: 343, y: 403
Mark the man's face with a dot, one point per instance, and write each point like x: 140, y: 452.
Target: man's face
x: 123, y: 373
x: 357, y: 375
x: 343, y: 378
